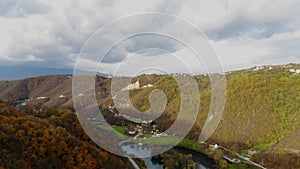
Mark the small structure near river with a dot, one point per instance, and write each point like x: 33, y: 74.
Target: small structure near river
x: 231, y: 159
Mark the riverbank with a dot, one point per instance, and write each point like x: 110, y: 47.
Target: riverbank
x: 202, y: 158
x: 216, y: 154
x: 202, y: 153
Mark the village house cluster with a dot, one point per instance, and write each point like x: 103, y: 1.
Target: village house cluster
x: 288, y: 67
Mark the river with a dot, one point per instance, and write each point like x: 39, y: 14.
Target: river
x: 201, y: 160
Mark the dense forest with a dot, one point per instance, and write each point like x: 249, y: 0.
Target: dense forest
x: 49, y: 139
x: 262, y: 111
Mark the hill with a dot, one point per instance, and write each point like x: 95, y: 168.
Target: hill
x: 262, y: 112
x: 262, y: 108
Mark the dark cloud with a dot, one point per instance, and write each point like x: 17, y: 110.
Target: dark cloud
x: 137, y: 43
x: 145, y: 41
x: 243, y: 27
x: 46, y: 54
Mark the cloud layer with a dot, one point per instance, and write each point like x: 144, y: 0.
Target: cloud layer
x: 51, y: 34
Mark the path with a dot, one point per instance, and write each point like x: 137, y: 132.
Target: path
x: 244, y: 158
x: 251, y: 162
x: 133, y: 163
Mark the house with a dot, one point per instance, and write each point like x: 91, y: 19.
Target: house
x: 148, y: 85
x: 252, y: 151
x: 231, y: 159
x: 292, y: 70
x: 156, y: 134
x: 131, y: 132
x: 139, y: 128
x: 62, y: 96
x: 215, y: 147
x: 135, y: 85
x: 256, y: 68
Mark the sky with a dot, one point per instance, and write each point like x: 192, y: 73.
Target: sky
x: 53, y: 34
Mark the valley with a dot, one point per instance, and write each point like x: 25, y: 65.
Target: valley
x: 261, y: 119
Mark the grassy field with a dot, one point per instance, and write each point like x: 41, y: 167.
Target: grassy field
x: 190, y: 144
x: 118, y: 130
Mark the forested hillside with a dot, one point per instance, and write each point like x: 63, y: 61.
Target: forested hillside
x: 262, y: 111
x: 50, y: 139
x: 262, y: 108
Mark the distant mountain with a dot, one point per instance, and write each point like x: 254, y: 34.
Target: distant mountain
x: 104, y: 74
x: 21, y: 72
x: 52, y: 91
x: 43, y: 91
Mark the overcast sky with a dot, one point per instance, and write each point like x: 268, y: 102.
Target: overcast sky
x: 52, y: 33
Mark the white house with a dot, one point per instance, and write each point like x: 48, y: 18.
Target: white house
x: 132, y: 132
x: 256, y: 68
x: 148, y: 85
x: 292, y: 70
x: 135, y: 85
x: 62, y: 96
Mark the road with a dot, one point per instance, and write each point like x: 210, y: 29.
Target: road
x: 244, y: 158
x: 134, y: 164
x: 249, y: 161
